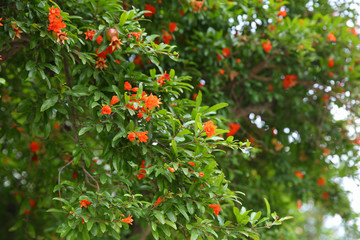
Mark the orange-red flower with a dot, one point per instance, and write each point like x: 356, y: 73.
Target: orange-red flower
x: 74, y: 175
x: 158, y: 201
x: 331, y: 74
x: 151, y: 8
x: 141, y: 175
x: 282, y: 13
x: 17, y: 33
x: 233, y: 128
x: 267, y: 46
x: 1, y: 23
x: 90, y: 34
x: 209, y: 128
x: 325, y: 195
x: 226, y: 52
x: 102, y: 54
x: 128, y: 220
x: 35, y: 159
x: 61, y: 37
x: 331, y: 37
x: 320, y: 181
x: 201, y: 174
x: 289, y: 81
x: 167, y: 37
x: 172, y: 27
x: 142, y: 136
x: 138, y: 60
x: 137, y: 35
x: 56, y: 126
x: 191, y: 163
x: 299, y: 174
x: 32, y: 203
x: 34, y: 146
x: 56, y: 23
x: 114, y: 100
x: 84, y: 203
x: 26, y: 212
x: 127, y: 86
x: 151, y: 101
x: 331, y: 62
x: 171, y: 169
x: 101, y: 63
x: 270, y: 87
x: 162, y: 79
x: 326, y: 98
x: 115, y: 43
x: 197, y: 5
x: 106, y: 109
x: 131, y: 136
x: 216, y: 208
x: 99, y: 39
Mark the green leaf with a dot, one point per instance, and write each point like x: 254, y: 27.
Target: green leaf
x: 160, y: 216
x: 102, y: 227
x: 85, y: 234
x: 62, y: 200
x: 215, y: 107
x: 49, y: 103
x: 174, y: 147
x: 103, y: 178
x: 198, y: 101
x: 190, y: 207
x: 171, y: 224
x: 268, y: 211
x: 171, y: 216
x: 237, y: 214
x: 52, y: 68
x: 182, y: 210
x: 123, y: 18
x: 89, y: 224
x: 31, y: 231
x: 172, y: 73
x: 84, y: 130
x: 155, y: 234
x: 55, y: 210
x: 194, y: 234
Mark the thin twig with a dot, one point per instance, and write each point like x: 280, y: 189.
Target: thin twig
x: 59, y: 176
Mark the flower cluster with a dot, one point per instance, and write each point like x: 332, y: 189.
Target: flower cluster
x: 216, y: 208
x: 141, y: 135
x: 267, y: 46
x: 146, y: 102
x: 162, y: 79
x: 141, y: 175
x: 233, y: 128
x: 128, y: 220
x: 84, y: 203
x: 56, y: 23
x: 209, y: 128
x: 289, y: 81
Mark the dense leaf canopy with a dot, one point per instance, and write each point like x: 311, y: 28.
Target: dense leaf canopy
x: 169, y: 119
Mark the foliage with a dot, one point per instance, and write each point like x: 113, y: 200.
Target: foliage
x: 276, y: 74
x: 93, y: 145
